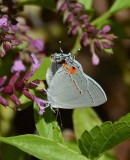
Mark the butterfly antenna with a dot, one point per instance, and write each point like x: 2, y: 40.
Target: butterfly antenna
x: 60, y: 47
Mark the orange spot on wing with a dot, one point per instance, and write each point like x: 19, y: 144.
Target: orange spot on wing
x: 72, y: 70
x: 65, y: 65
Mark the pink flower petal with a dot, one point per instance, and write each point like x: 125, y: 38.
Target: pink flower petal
x: 106, y: 29
x: 95, y: 59
x: 36, y: 64
x: 18, y: 66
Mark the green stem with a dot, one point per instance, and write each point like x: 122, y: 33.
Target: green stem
x: 101, y: 18
x: 76, y: 45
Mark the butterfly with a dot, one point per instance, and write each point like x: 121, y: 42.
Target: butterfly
x: 69, y: 87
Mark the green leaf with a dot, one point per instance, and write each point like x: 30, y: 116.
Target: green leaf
x: 108, y: 50
x: 41, y: 72
x: 49, y: 4
x: 104, y: 137
x: 119, y: 30
x: 25, y: 102
x: 46, y: 125
x: 42, y: 148
x: 72, y: 145
x: 108, y: 156
x: 20, y: 47
x: 119, y: 5
x: 84, y: 119
x: 11, y: 151
x: 87, y: 4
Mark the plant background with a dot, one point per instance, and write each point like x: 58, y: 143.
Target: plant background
x: 113, y: 73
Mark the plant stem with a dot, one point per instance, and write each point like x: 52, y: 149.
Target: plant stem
x: 76, y: 46
x: 101, y: 18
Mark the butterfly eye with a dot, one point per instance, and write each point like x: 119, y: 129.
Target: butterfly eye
x: 72, y: 70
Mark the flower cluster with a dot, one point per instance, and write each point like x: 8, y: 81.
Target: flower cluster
x: 77, y: 20
x: 21, y: 86
x: 13, y: 35
x: 13, y: 39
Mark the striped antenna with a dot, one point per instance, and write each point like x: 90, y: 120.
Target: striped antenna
x: 60, y: 47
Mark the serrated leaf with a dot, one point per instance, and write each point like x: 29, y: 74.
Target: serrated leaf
x: 46, y: 125
x: 49, y: 4
x: 104, y: 137
x: 84, y: 119
x: 119, y: 5
x: 42, y: 148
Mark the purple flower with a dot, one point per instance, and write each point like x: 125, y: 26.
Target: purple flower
x: 78, y: 7
x: 61, y: 5
x: 2, y: 52
x: 84, y: 39
x: 97, y: 40
x: 18, y: 66
x: 15, y: 100
x: 70, y: 17
x: 41, y: 104
x: 14, y: 78
x: 34, y: 83
x: 3, y: 22
x: 84, y: 18
x: 38, y: 44
x: 74, y: 30
x: 15, y: 42
x: 3, y: 101
x: 2, y: 80
x: 9, y: 89
x: 36, y: 64
x: 28, y: 95
x: 106, y: 44
x: 95, y: 59
x: 13, y: 28
x: 106, y: 29
x: 7, y: 46
x: 98, y: 45
x: 13, y: 37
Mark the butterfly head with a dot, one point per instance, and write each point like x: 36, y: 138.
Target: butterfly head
x: 60, y: 57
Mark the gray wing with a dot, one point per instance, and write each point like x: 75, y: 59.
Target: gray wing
x: 51, y: 71
x: 71, y: 91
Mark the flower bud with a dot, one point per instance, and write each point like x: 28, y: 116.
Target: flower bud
x: 3, y: 101
x: 29, y: 95
x: 9, y: 89
x: 15, y: 99
x: 2, y: 80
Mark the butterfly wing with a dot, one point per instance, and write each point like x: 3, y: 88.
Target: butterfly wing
x: 77, y: 90
x: 51, y: 71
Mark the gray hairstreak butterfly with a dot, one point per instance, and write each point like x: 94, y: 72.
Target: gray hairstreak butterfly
x: 69, y: 87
